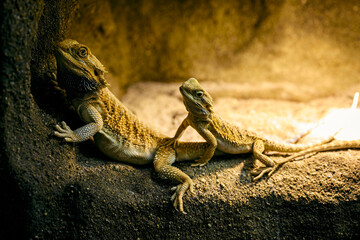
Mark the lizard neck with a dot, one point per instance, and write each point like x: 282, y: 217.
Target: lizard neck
x: 89, y: 96
x: 198, y: 111
x: 195, y: 117
x: 77, y: 86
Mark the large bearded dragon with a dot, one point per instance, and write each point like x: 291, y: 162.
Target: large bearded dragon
x: 116, y: 131
x: 223, y: 135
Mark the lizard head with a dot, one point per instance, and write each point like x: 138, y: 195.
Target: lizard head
x: 197, y: 101
x: 79, y: 71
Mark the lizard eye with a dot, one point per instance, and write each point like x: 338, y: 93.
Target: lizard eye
x: 199, y: 94
x: 83, y: 52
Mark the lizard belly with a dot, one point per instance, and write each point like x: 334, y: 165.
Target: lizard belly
x: 228, y: 147
x: 118, y: 148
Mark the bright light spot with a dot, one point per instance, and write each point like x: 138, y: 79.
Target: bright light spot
x: 345, y: 120
x: 351, y: 127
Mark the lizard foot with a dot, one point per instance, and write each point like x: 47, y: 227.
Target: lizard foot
x: 179, y: 193
x: 64, y: 131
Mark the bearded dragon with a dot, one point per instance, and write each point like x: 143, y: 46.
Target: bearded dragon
x: 117, y: 132
x: 223, y: 135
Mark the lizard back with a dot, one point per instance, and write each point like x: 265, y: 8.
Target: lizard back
x: 123, y: 135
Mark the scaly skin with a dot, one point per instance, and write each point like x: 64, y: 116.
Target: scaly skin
x: 221, y: 134
x: 116, y: 131
x: 336, y: 145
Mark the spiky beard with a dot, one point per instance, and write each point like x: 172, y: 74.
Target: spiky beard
x: 199, y: 111
x: 76, y: 86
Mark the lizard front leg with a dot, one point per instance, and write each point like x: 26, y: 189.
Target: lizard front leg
x: 211, y: 139
x: 91, y: 115
x: 179, y: 132
x: 164, y: 158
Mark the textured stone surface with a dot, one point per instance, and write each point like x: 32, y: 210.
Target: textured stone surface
x: 275, y: 51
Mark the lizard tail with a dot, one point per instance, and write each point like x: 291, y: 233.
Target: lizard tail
x: 337, y: 145
x: 289, y: 147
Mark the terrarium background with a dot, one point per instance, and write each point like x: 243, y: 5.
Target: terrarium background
x: 309, y: 47
x: 271, y: 66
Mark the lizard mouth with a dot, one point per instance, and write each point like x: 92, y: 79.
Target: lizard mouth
x: 182, y: 91
x: 186, y: 96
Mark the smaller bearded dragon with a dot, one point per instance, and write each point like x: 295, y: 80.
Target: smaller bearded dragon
x: 223, y: 135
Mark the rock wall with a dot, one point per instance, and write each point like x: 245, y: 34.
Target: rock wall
x: 296, y: 43
x: 53, y: 190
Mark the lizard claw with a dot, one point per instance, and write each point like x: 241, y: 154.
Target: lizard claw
x: 199, y: 163
x: 259, y: 173
x: 274, y: 168
x: 51, y: 75
x: 171, y: 142
x: 64, y: 131
x: 179, y: 193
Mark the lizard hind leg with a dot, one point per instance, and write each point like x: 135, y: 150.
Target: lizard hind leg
x: 164, y: 157
x: 258, y: 149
